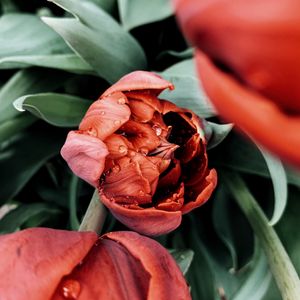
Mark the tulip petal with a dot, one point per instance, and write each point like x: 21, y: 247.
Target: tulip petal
x: 148, y: 221
x: 117, y: 145
x: 142, y: 136
x: 139, y: 80
x: 85, y: 156
x: 146, y: 98
x: 253, y: 113
x: 171, y: 176
x: 105, y: 116
x: 33, y: 261
x: 200, y: 193
x: 141, y: 111
x: 125, y: 265
x: 265, y: 35
x: 126, y: 184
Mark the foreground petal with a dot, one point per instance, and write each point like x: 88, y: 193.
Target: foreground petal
x: 33, y: 261
x: 125, y: 265
x: 139, y: 80
x: 85, y: 156
x: 253, y: 113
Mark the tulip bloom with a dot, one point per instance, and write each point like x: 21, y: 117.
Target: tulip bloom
x: 48, y: 264
x: 248, y: 60
x: 146, y: 156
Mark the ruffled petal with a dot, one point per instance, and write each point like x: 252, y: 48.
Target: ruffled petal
x: 141, y: 111
x: 33, y: 261
x: 106, y: 116
x: 198, y: 194
x: 139, y: 80
x: 252, y: 113
x: 117, y: 145
x: 85, y: 156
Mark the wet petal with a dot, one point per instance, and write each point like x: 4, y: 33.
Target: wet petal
x: 140, y: 111
x: 106, y: 116
x: 252, y: 113
x: 33, y: 261
x: 165, y: 150
x: 117, y: 145
x: 139, y: 80
x: 146, y: 98
x: 140, y: 135
x: 85, y: 156
x: 126, y: 183
x: 200, y: 193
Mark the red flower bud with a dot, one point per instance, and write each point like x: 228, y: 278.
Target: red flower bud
x: 48, y: 264
x: 150, y: 164
x: 248, y: 60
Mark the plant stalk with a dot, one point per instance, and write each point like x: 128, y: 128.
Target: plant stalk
x: 280, y: 264
x: 94, y: 217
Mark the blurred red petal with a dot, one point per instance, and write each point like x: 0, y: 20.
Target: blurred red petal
x: 265, y: 35
x: 106, y: 116
x: 139, y: 80
x: 253, y: 113
x: 85, y: 156
x: 33, y: 261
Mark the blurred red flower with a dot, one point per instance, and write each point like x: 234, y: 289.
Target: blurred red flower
x: 248, y: 60
x: 42, y: 264
x: 146, y: 156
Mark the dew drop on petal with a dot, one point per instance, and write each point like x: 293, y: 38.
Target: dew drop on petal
x: 141, y: 193
x: 92, y: 131
x: 132, y: 153
x: 121, y: 101
x: 117, y: 122
x: 102, y: 112
x: 144, y: 150
x: 115, y: 169
x: 157, y: 129
x: 70, y: 289
x: 122, y: 149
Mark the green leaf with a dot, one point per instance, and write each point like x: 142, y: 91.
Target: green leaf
x: 183, y: 258
x: 258, y: 281
x: 134, y: 13
x: 23, y: 157
x: 98, y: 39
x: 56, y: 109
x: 279, y: 181
x: 186, y: 54
x: 187, y: 91
x: 67, y: 62
x: 25, y: 34
x: 26, y: 82
x: 216, y: 133
x: 17, y: 217
x: 73, y: 191
x: 15, y: 125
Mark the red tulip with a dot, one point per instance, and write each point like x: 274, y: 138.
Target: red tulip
x: 146, y: 156
x: 248, y: 60
x: 42, y: 264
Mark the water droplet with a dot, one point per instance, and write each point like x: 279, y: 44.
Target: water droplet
x: 141, y: 193
x: 121, y: 101
x: 122, y: 149
x: 132, y: 153
x: 117, y: 122
x: 102, y: 112
x: 144, y: 150
x: 116, y: 169
x: 70, y: 289
x: 92, y: 131
x: 157, y: 130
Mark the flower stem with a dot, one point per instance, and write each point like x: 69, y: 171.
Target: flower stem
x: 94, y: 217
x: 280, y: 264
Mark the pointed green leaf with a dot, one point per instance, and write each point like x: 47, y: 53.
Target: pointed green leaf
x: 56, y: 109
x: 98, y: 39
x: 183, y: 258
